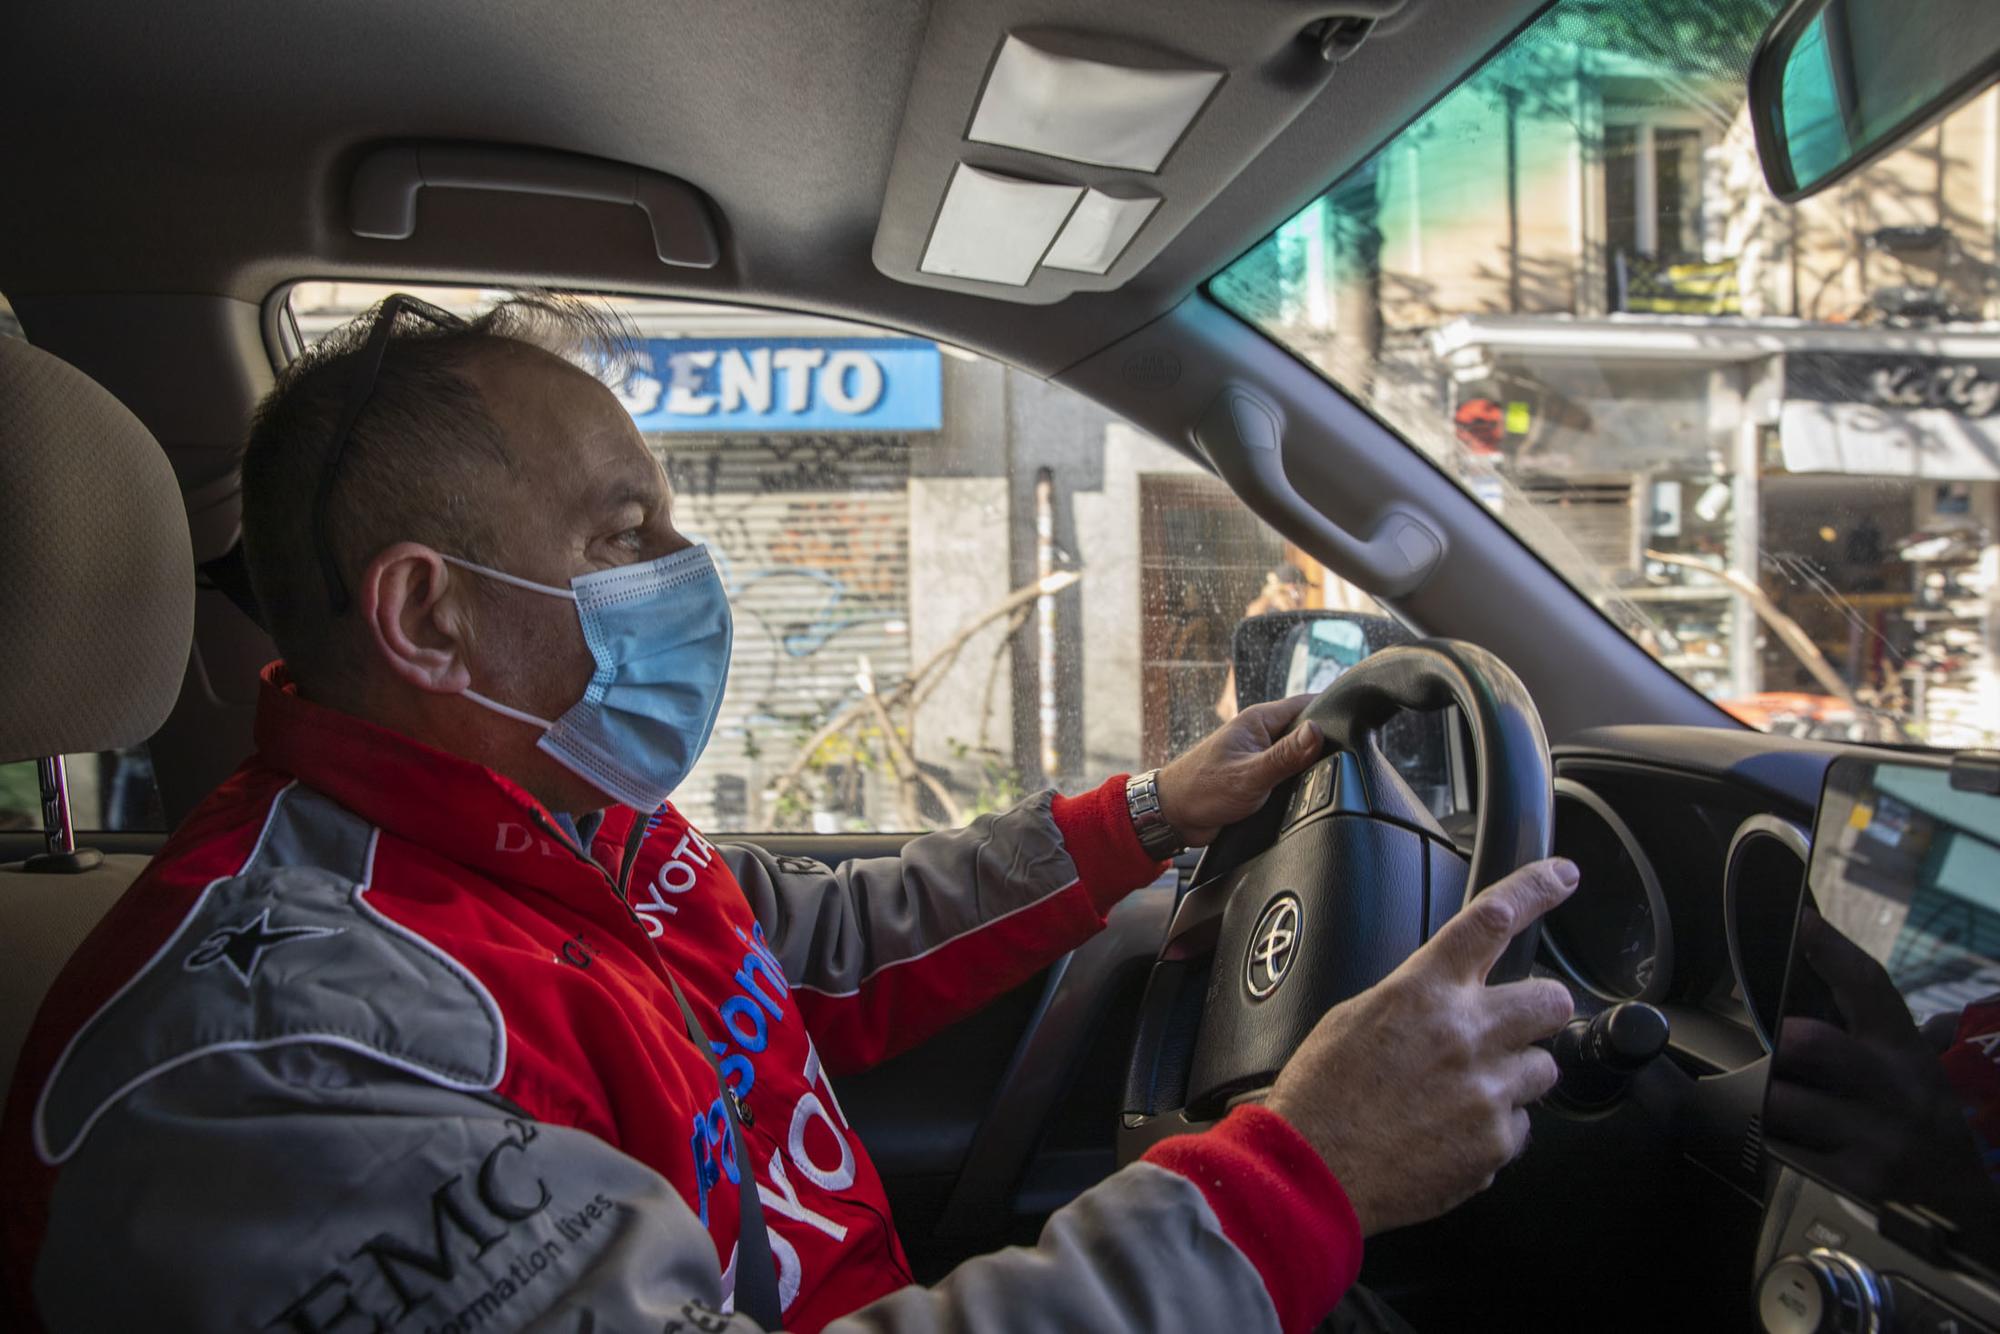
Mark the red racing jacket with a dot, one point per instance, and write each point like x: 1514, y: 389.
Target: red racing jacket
x: 376, y: 1044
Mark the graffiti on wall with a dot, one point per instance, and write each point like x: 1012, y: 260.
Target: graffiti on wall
x: 811, y: 534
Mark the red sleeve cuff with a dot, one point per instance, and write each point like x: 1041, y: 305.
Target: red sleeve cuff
x: 1098, y: 835
x: 1278, y: 1204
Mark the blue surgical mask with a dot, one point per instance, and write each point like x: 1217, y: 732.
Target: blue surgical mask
x: 660, y: 635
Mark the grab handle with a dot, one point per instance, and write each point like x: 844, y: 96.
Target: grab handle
x: 383, y: 204
x: 1243, y: 436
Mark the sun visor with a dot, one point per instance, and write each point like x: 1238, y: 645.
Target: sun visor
x: 1034, y: 162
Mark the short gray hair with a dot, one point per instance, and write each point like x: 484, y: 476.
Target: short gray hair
x: 415, y: 458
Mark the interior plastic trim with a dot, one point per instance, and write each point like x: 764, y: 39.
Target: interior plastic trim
x: 1057, y: 1037
x: 383, y: 204
x: 1795, y: 840
x: 1655, y: 991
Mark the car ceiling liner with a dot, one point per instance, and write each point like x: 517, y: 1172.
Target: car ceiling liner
x: 1036, y: 160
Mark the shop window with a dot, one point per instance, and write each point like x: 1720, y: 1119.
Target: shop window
x: 1652, y: 209
x: 953, y: 583
x: 1205, y: 562
x: 1597, y: 513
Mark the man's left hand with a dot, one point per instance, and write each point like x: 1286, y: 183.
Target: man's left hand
x: 1230, y: 774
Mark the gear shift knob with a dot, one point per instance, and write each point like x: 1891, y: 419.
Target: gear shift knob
x: 1598, y: 1056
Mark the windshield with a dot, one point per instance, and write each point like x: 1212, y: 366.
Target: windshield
x: 1761, y: 438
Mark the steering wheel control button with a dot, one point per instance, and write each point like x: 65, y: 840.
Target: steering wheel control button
x: 1274, y: 944
x: 1313, y: 793
x: 1820, y: 1292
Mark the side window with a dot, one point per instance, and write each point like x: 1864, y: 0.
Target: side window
x: 953, y: 583
x: 112, y: 790
x: 108, y: 790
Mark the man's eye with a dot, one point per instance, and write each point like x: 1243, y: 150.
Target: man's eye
x: 632, y: 539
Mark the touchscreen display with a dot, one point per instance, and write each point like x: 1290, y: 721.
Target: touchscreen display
x: 1885, y: 1080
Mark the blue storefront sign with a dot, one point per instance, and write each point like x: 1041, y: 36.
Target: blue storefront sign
x: 783, y: 384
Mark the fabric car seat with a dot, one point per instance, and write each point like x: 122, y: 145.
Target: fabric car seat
x: 96, y: 622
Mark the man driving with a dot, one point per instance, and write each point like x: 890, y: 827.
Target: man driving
x: 439, y: 1016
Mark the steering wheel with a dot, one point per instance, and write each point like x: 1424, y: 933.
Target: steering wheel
x: 1338, y: 879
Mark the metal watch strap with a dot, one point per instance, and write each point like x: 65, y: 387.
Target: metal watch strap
x: 1142, y: 801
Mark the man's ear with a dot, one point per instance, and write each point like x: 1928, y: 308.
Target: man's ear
x: 415, y: 612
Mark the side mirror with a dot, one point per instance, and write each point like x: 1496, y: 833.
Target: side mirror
x: 1290, y: 652
x: 1297, y: 652
x: 1837, y: 84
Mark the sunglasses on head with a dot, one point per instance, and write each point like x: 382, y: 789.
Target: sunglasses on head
x: 368, y: 369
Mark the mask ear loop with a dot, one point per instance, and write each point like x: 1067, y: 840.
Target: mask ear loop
x: 506, y: 578
x: 506, y: 710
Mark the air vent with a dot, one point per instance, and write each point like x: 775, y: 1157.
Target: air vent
x: 1751, y: 1161
x: 1761, y: 883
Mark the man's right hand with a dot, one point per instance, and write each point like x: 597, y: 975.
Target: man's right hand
x: 1414, y: 1092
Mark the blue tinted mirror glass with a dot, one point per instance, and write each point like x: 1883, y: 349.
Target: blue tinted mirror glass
x: 1860, y: 73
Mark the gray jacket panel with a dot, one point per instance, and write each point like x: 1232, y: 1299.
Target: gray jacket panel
x: 312, y: 1191
x: 284, y: 1122
x: 287, y: 951
x: 833, y: 928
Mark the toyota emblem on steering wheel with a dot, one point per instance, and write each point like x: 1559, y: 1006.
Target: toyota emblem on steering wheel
x: 1273, y: 946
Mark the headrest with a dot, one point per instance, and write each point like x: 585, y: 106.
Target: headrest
x: 96, y: 571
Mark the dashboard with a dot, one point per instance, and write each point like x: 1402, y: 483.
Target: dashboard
x: 1694, y: 847
x: 1672, y: 850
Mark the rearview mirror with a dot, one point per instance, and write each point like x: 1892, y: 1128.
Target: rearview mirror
x: 1837, y: 84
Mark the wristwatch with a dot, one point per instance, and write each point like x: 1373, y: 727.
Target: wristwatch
x: 1142, y: 801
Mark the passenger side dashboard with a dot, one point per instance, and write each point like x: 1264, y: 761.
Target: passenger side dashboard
x: 1698, y: 842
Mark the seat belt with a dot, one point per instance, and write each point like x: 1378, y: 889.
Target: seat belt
x: 756, y: 1271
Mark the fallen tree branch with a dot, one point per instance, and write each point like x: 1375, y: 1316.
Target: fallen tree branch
x: 1015, y: 600
x: 892, y: 750
x: 900, y: 757
x: 1789, y: 632
x: 905, y: 692
x: 1014, y: 627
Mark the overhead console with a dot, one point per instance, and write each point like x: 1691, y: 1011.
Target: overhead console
x: 1884, y: 1095
x: 1035, y: 161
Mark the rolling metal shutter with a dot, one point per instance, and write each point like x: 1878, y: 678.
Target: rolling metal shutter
x: 811, y: 533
